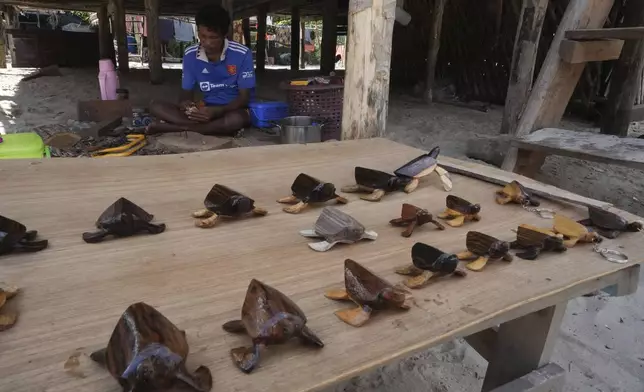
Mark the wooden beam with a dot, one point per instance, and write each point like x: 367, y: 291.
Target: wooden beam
x: 577, y: 52
x: 550, y: 378
x: 104, y: 37
x: 246, y: 29
x: 625, y: 81
x: 557, y: 79
x: 155, y: 61
x: 329, y: 36
x: 624, y: 33
x: 260, y: 57
x: 295, y: 39
x: 121, y: 36
x: 434, y: 46
x: 366, y: 86
x: 524, y: 57
x: 484, y: 342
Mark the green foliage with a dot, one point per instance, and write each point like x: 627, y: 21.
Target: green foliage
x: 82, y: 14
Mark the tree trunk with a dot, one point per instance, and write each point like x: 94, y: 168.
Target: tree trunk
x: 329, y: 36
x: 434, y: 46
x: 121, y: 36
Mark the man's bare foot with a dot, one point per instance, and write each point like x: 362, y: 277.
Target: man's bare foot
x: 159, y: 127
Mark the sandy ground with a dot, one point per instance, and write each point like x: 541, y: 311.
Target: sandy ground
x: 602, y: 338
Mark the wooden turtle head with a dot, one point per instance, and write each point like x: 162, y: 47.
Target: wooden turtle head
x: 572, y: 229
x: 431, y: 259
x: 411, y: 212
x: 335, y: 226
x: 484, y: 245
x: 269, y: 316
x: 123, y: 219
x: 462, y: 206
x: 528, y: 235
x: 7, y: 320
x: 376, y: 179
x: 367, y: 288
x: 419, y: 167
x: 226, y: 202
x: 312, y: 190
x: 610, y: 221
x: 516, y: 193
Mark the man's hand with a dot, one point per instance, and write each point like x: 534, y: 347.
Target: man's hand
x: 206, y: 114
x: 184, y: 105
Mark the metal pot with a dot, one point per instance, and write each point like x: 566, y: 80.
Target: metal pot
x: 300, y: 130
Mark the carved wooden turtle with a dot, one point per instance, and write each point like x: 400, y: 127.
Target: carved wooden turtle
x: 516, y: 193
x: 483, y: 248
x: 369, y: 292
x: 573, y: 232
x: 269, y: 317
x: 412, y: 217
x: 224, y: 202
x: 123, y: 219
x: 147, y: 353
x: 533, y: 240
x: 307, y: 190
x: 334, y: 226
x: 429, y: 262
x: 608, y: 224
x: 14, y: 237
x: 460, y: 211
x: 407, y: 177
x: 7, y: 319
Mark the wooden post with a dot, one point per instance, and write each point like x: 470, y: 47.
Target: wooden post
x: 261, y: 38
x: 329, y: 36
x: 626, y: 76
x: 302, y: 44
x: 434, y: 46
x: 246, y: 29
x: 295, y: 39
x: 366, y: 86
x: 104, y: 32
x: 228, y: 6
x: 557, y: 79
x: 121, y: 36
x: 524, y: 57
x: 155, y: 60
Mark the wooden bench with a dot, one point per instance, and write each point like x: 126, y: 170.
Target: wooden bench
x: 534, y: 148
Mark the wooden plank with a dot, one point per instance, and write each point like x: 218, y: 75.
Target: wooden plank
x: 434, y: 46
x: 329, y: 36
x: 625, y: 79
x: 523, y: 345
x: 104, y: 36
x: 577, y: 52
x: 118, y: 21
x: 524, y: 58
x: 624, y: 33
x: 155, y: 61
x: 98, y: 110
x: 550, y: 378
x: 295, y: 39
x: 366, y: 91
x: 557, y: 79
x: 610, y: 149
x: 198, y: 278
x: 260, y: 63
x: 627, y: 285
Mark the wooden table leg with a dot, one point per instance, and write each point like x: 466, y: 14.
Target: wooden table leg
x: 529, y: 162
x: 523, y: 345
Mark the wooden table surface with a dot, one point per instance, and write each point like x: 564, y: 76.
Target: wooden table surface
x: 73, y: 292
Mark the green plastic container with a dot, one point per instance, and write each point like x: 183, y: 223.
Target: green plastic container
x: 23, y: 146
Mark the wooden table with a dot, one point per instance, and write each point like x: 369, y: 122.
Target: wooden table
x: 73, y: 292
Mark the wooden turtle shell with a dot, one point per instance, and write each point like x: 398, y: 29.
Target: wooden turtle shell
x: 460, y: 211
x: 376, y: 179
x: 228, y: 203
x: 516, y: 193
x: 337, y: 227
x: 413, y: 217
x: 7, y: 319
x: 369, y: 292
x: 534, y: 240
x: 573, y: 231
x: 147, y: 352
x: 608, y: 224
x: 311, y: 190
x: 269, y: 317
x: 14, y: 237
x: 429, y: 262
x: 123, y: 219
x: 418, y: 166
x: 484, y: 248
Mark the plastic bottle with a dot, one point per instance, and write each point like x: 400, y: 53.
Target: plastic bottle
x: 107, y: 79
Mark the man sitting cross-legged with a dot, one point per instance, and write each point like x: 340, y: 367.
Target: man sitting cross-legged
x: 222, y: 70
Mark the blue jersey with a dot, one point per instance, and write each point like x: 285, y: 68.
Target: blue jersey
x: 219, y: 81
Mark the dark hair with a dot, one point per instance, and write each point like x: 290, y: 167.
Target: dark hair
x: 215, y: 18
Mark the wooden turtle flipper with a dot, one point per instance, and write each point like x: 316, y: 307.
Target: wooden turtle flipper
x: 502, y: 198
x: 444, y: 177
x: 610, y: 234
x: 202, y: 214
x: 508, y: 257
x: 467, y: 255
x: 376, y: 195
x: 288, y: 200
x: 478, y: 264
x: 413, y: 184
x: 456, y: 222
x: 355, y: 317
x: 420, y: 280
x: 338, y: 295
x: 99, y: 356
x: 234, y: 326
x: 309, y: 338
x: 259, y: 211
x: 341, y: 200
x: 297, y: 208
x: 353, y: 188
x: 410, y: 229
x: 7, y: 321
x: 571, y: 242
x: 409, y: 270
x: 449, y: 214
x: 208, y: 222
x: 437, y: 224
x: 201, y: 381
x: 246, y: 358
x: 529, y: 253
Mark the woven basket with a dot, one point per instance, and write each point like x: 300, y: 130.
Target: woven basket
x: 322, y: 102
